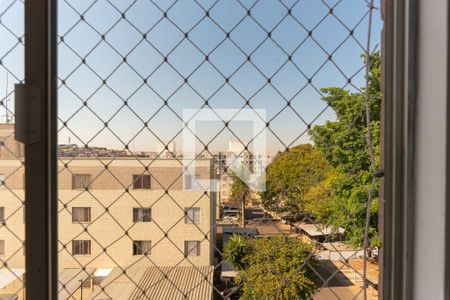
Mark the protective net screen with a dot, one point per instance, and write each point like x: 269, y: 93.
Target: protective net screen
x: 223, y: 149
x: 12, y: 212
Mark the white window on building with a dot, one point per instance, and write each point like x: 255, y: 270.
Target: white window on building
x: 81, y: 214
x: 141, y: 182
x: 192, y: 248
x: 190, y: 181
x: 81, y: 181
x: 142, y: 214
x: 81, y: 247
x: 2, y: 247
x: 142, y: 247
x: 192, y: 215
x: 2, y: 214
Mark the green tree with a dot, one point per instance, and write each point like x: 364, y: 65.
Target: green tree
x: 240, y: 191
x: 236, y: 250
x: 343, y: 144
x: 290, y: 176
x: 273, y: 268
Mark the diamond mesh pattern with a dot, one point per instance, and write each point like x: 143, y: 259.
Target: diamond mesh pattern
x: 202, y: 51
x: 12, y: 257
x: 127, y: 69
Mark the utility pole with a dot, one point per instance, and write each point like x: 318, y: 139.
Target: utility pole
x: 244, y: 196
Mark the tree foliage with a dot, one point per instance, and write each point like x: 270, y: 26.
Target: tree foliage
x: 330, y: 180
x: 239, y: 186
x: 273, y: 268
x: 290, y: 176
x: 343, y: 144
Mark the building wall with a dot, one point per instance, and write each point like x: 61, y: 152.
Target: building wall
x: 9, y: 147
x: 111, y: 225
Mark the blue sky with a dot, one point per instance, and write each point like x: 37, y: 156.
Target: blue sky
x: 227, y: 57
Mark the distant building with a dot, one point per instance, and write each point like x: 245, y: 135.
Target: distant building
x: 169, y: 151
x: 9, y: 147
x: 112, y: 217
x: 236, y: 156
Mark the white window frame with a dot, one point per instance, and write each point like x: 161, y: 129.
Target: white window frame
x: 190, y: 251
x: 2, y: 247
x: 84, y: 181
x: 138, y: 248
x: 139, y: 182
x: 74, y: 214
x: 139, y: 214
x: 192, y: 219
x: 2, y: 214
x: 86, y: 244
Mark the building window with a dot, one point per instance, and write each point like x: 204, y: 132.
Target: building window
x: 2, y: 247
x: 192, y: 215
x: 141, y: 182
x: 192, y: 248
x: 2, y: 214
x: 187, y: 182
x: 81, y: 214
x: 81, y: 181
x: 142, y: 247
x: 142, y: 214
x: 81, y: 247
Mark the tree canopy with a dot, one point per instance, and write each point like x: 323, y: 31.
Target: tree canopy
x: 290, y: 176
x: 330, y: 180
x: 343, y: 144
x: 273, y: 268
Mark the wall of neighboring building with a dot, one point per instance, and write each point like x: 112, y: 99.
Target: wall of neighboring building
x: 111, y: 225
x: 9, y: 147
x: 115, y: 228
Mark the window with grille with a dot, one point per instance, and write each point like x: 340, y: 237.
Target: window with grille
x: 142, y: 214
x: 2, y: 247
x: 192, y: 248
x: 192, y: 215
x: 81, y: 181
x: 81, y: 247
x: 142, y: 247
x: 141, y: 182
x: 2, y: 214
x: 81, y: 214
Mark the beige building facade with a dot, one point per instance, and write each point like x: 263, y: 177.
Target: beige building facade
x: 114, y: 207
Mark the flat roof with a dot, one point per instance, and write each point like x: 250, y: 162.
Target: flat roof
x: 318, y: 229
x: 158, y: 283
x: 240, y: 230
x: 9, y: 275
x: 69, y: 281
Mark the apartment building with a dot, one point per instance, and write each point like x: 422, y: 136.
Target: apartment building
x: 115, y: 212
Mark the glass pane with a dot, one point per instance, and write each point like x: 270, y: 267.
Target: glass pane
x: 241, y: 125
x: 12, y: 226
